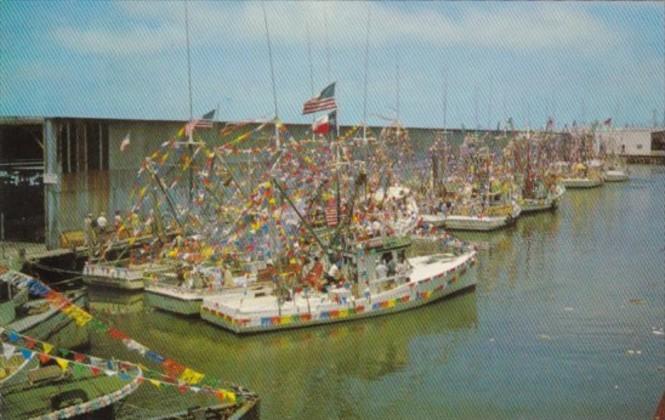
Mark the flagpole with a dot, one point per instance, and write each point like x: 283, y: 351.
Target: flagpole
x: 272, y: 72
x: 311, y: 69
x: 325, y: 27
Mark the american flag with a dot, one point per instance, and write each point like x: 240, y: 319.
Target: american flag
x: 324, y: 102
x: 331, y: 214
x: 204, y: 122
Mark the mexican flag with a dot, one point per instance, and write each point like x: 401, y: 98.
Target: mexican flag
x: 323, y: 124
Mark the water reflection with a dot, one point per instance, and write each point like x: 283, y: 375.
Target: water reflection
x: 294, y: 363
x: 114, y: 302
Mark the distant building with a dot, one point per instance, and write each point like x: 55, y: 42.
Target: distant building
x: 642, y: 142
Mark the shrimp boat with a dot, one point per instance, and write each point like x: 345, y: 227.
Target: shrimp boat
x: 539, y: 189
x: 548, y: 202
x: 36, y: 317
x: 369, y: 274
x: 168, y: 295
x: 428, y: 278
x: 582, y: 175
x: 50, y: 392
x: 616, y: 170
x: 496, y: 218
x: 131, y: 277
x: 470, y: 212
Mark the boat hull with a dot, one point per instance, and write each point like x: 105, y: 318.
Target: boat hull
x: 616, y: 176
x: 166, y: 299
x: 434, y: 219
x: 581, y: 183
x: 549, y: 203
x: 477, y: 223
x: 55, y: 327
x: 408, y: 296
x: 114, y: 282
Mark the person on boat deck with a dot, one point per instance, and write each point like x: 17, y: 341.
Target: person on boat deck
x: 102, y: 222
x: 88, y: 229
x: 117, y: 221
x: 332, y: 276
x: 391, y: 264
x: 381, y: 270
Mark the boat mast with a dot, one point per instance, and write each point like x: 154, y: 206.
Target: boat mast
x: 272, y: 73
x: 191, y: 114
x: 366, y: 71
x: 311, y: 69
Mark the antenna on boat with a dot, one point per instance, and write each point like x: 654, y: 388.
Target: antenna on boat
x: 489, y: 103
x: 397, y: 77
x: 369, y: 11
x: 189, y: 60
x: 272, y: 72
x: 445, y: 98
x: 475, y: 107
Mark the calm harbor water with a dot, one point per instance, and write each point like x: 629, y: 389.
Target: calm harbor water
x: 560, y: 326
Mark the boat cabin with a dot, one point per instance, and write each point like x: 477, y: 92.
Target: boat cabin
x: 374, y: 262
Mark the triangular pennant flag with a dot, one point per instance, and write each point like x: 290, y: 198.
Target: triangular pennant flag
x: 155, y: 382
x: 79, y: 370
x: 47, y: 348
x: 8, y: 350
x: 27, y: 354
x: 44, y: 358
x: 63, y: 363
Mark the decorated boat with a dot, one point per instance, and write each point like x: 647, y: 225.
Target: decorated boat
x: 529, y: 157
x: 185, y: 297
x: 63, y: 390
x: 616, y: 169
x: 580, y: 175
x: 616, y: 175
x: 495, y: 218
x: 548, y: 202
x: 369, y: 289
x: 37, y: 317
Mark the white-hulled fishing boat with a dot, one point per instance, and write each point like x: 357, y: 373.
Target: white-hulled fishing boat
x: 584, y: 176
x: 615, y: 175
x: 130, y: 277
x: 427, y: 279
x: 551, y: 201
x: 616, y: 170
x: 483, y: 223
x: 186, y: 299
x: 436, y: 219
x: 573, y: 183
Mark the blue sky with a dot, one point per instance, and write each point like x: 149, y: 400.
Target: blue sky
x: 573, y: 60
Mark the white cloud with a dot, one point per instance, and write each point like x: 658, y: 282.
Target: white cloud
x: 506, y: 26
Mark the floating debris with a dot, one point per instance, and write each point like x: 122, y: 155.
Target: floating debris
x: 637, y: 301
x: 544, y: 337
x: 569, y: 309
